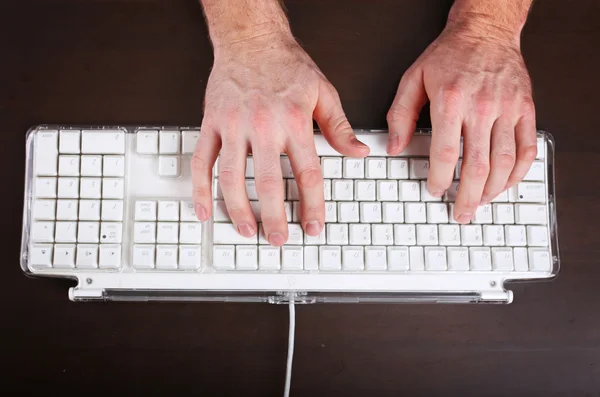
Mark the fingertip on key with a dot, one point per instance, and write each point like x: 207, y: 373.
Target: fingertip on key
x: 246, y: 230
x: 276, y: 239
x: 464, y: 218
x: 201, y: 213
x: 313, y: 228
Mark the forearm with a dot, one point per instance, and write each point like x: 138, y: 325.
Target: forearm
x: 486, y: 17
x: 236, y: 22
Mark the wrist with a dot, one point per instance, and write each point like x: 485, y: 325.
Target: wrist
x: 485, y: 28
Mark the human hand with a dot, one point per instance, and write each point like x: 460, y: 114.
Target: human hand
x: 261, y: 98
x: 477, y: 85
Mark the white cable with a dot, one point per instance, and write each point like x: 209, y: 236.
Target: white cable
x: 290, y: 357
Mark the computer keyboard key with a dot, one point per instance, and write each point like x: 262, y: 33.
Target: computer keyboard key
x: 352, y: 258
x: 190, y: 257
x: 398, y: 259
x: 166, y: 257
x: 370, y: 212
x: 89, y: 210
x: 493, y: 235
x: 90, y: 188
x: 87, y: 256
x: 189, y: 140
x: 311, y: 258
x: 68, y: 187
x: 532, y: 214
x: 387, y: 190
x: 539, y: 260
x: 480, y: 259
x: 405, y: 235
x: 515, y: 235
x: 397, y: 168
x: 419, y: 168
x: 292, y: 257
x: 417, y: 261
x: 144, y: 232
x: 112, y: 210
x: 427, y: 235
x: 330, y: 212
x: 113, y: 166
x: 187, y: 212
x: 145, y: 210
x: 68, y: 165
x: 40, y: 256
x: 353, y: 168
x: 348, y: 212
x: 502, y: 259
x: 360, y: 234
x: 88, y: 232
x: 69, y: 141
x: 111, y: 232
x: 143, y: 256
x: 382, y: 234
x: 330, y: 257
x: 365, y: 190
x: 42, y: 232
x: 168, y: 166
x: 530, y: 192
x: 246, y: 257
x: 376, y: 167
x: 375, y: 258
x: 91, y: 165
x: 66, y: 232
x: 449, y: 235
x: 541, y: 148
x: 327, y: 189
x: 537, y: 236
x: 113, y: 188
x: 458, y: 258
x: 190, y: 233
x: 109, y: 256
x: 483, y: 214
x: 319, y: 239
x: 332, y: 167
x: 146, y: 142
x: 226, y: 233
x: 168, y: 142
x: 168, y: 211
x: 44, y: 210
x: 521, y: 259
x: 46, y: 153
x: 471, y: 235
x: 67, y: 210
x: 343, y: 190
x: 415, y: 212
x: 269, y: 258
x: 435, y: 259
x: 425, y: 195
x: 537, y: 172
x: 409, y: 191
x: 337, y: 234
x: 103, y: 142
x: 45, y: 187
x: 64, y: 256
x: 452, y: 192
x: 501, y: 198
x: 437, y: 213
x: 503, y: 213
x: 295, y: 234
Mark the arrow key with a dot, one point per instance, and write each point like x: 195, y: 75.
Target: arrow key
x: 87, y: 256
x: 64, y: 256
x: 110, y: 256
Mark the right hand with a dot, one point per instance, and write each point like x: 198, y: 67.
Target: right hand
x: 261, y: 98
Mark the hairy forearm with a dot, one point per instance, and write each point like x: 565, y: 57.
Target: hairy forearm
x: 503, y: 17
x: 235, y: 22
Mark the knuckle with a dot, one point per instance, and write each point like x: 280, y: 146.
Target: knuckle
x: 297, y: 119
x: 447, y: 154
x: 229, y: 177
x: 200, y: 164
x: 201, y: 192
x: 528, y: 154
x: 268, y: 184
x: 399, y: 112
x: 485, y: 107
x: 309, y: 178
x: 504, y: 160
x: 476, y: 169
x: 451, y: 99
x: 528, y: 107
x: 261, y: 118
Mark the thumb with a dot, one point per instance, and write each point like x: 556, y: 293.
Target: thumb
x: 332, y: 121
x: 404, y: 112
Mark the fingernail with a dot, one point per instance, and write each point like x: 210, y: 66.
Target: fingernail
x: 276, y: 239
x: 464, y: 218
x: 200, y: 212
x: 313, y: 228
x: 357, y: 143
x: 438, y: 193
x: 245, y: 230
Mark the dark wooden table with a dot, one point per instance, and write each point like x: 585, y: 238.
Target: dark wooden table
x: 102, y: 62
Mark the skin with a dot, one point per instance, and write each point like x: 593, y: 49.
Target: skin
x: 264, y: 92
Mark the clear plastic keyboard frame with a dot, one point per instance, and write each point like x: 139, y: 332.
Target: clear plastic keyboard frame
x: 129, y: 284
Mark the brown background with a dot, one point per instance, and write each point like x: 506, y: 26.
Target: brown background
x: 102, y: 62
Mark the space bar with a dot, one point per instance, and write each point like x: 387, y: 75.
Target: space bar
x: 377, y: 142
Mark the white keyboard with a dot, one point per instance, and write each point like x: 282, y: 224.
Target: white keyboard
x: 111, y: 207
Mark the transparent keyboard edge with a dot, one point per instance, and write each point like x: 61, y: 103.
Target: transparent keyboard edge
x: 474, y: 288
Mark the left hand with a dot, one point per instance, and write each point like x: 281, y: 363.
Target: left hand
x: 478, y: 86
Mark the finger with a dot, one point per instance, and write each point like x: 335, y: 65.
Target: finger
x: 475, y: 168
x: 334, y: 125
x: 446, y: 123
x: 526, y: 142
x: 404, y: 112
x: 203, y: 160
x: 307, y: 172
x: 269, y: 186
x: 502, y: 158
x: 232, y: 171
